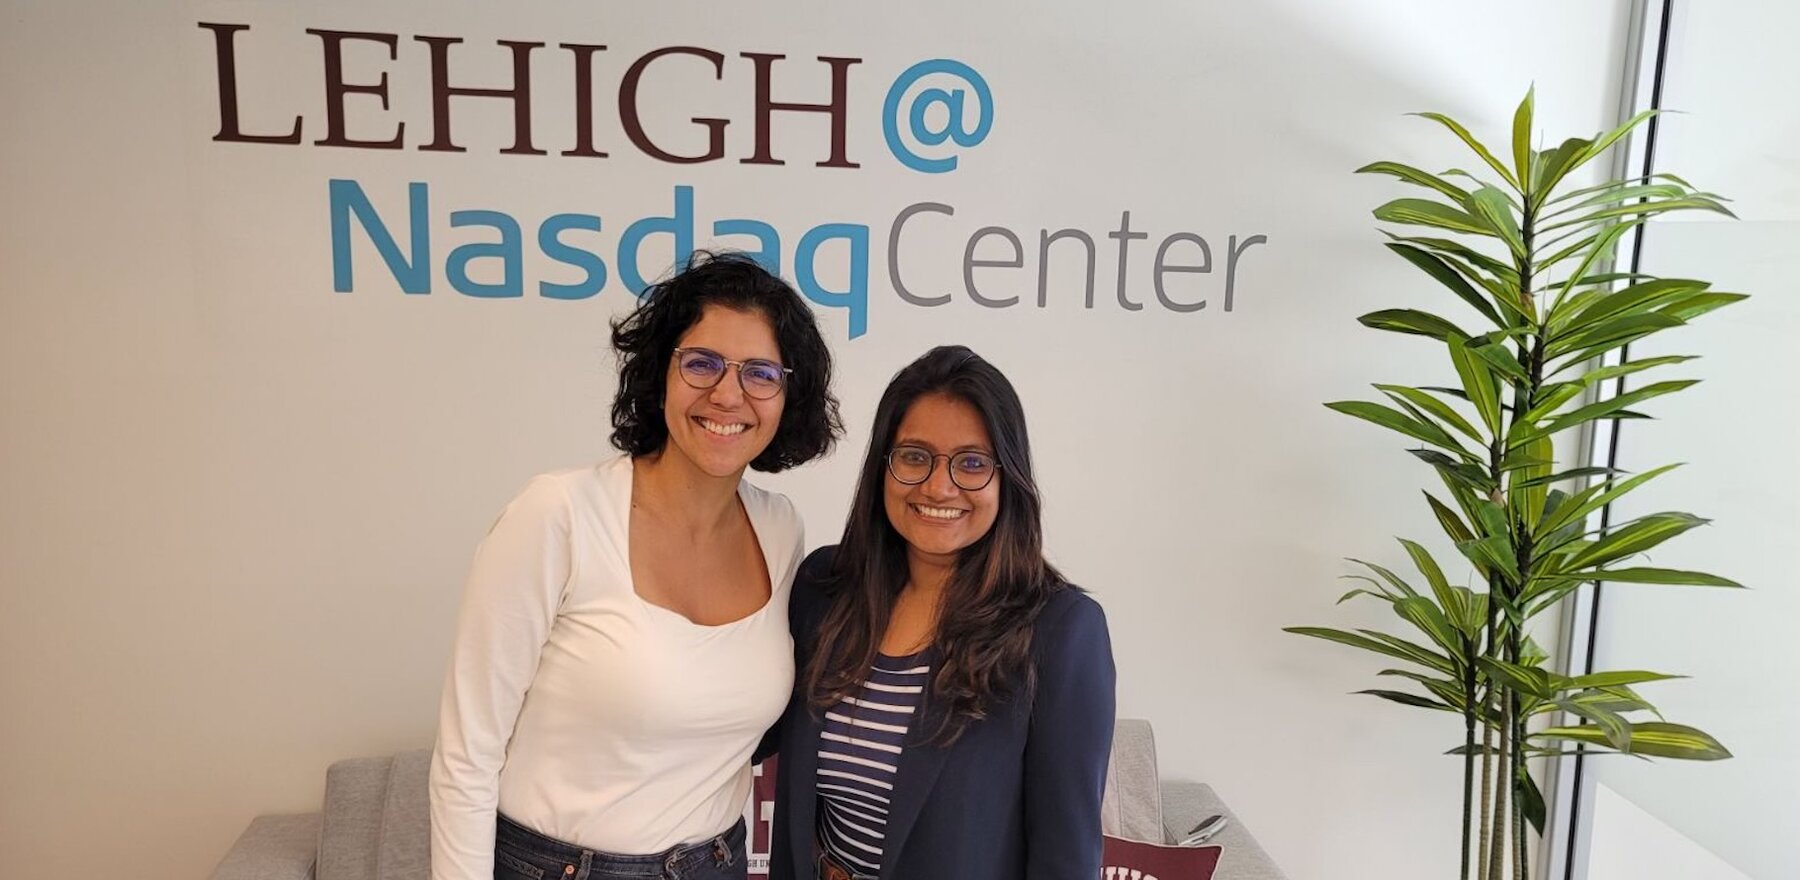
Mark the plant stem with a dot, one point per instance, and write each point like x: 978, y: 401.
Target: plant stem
x: 1498, y: 863
x: 1525, y: 395
x: 1468, y: 749
x: 1483, y: 852
x: 1519, y: 826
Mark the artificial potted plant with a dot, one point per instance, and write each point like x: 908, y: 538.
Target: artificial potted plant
x: 1528, y: 260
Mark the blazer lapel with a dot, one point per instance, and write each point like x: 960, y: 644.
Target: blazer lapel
x: 918, y: 771
x: 800, y: 765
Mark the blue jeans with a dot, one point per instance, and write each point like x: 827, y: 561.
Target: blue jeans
x: 523, y: 854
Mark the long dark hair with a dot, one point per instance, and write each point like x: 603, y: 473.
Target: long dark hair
x: 999, y: 584
x: 645, y: 341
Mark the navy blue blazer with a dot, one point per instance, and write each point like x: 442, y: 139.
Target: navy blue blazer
x: 1017, y: 797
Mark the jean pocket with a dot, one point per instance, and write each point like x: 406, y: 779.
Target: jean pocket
x: 509, y: 866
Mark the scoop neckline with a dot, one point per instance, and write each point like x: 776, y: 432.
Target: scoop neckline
x: 630, y: 478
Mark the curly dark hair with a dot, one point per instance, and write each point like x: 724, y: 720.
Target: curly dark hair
x: 1000, y: 583
x: 645, y: 341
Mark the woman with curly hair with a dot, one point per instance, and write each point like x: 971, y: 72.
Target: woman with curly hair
x: 623, y: 639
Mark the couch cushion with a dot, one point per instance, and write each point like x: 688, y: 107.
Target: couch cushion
x: 1187, y: 803
x: 405, y: 852
x: 355, y: 796
x: 1132, y: 804
x: 273, y: 848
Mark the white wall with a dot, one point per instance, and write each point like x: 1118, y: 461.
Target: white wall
x: 1732, y: 76
x: 238, y: 505
x: 1632, y: 844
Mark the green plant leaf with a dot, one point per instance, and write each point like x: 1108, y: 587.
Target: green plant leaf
x: 1380, y: 592
x: 1531, y: 653
x: 1525, y: 680
x: 1453, y: 524
x: 1434, y: 575
x: 1553, y: 499
x: 1611, y: 725
x: 1446, y: 274
x: 1561, y: 309
x: 1636, y: 299
x: 1492, y: 207
x: 1634, y: 537
x: 1602, y: 249
x: 1577, y: 357
x: 1492, y: 519
x: 1395, y: 420
x: 1406, y: 699
x: 1521, y: 140
x: 1616, y: 332
x: 1618, y: 700
x: 1550, y: 399
x: 1432, y: 405
x: 1524, y: 488
x: 1570, y: 474
x: 1656, y: 739
x: 1461, y: 257
x: 1558, y: 162
x: 1498, y: 357
x: 1446, y: 690
x: 1620, y: 192
x: 1499, y: 280
x: 1668, y: 576
x: 1393, y: 580
x: 1479, y: 148
x: 1461, y: 613
x: 1629, y: 367
x: 1477, y: 382
x: 1362, y: 592
x: 1422, y: 655
x: 1531, y: 800
x: 1605, y: 140
x: 1425, y: 615
x: 1466, y: 474
x: 1617, y: 678
x: 1642, y: 209
x: 1415, y: 176
x: 1610, y: 278
x: 1413, y: 321
x: 1492, y: 553
x: 1611, y: 184
x: 1522, y: 458
x: 1699, y: 304
x: 1613, y: 404
x: 1420, y: 212
x: 1414, y: 654
x: 1543, y: 590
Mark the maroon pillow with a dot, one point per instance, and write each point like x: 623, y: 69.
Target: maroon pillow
x: 1137, y: 860
x: 759, y: 819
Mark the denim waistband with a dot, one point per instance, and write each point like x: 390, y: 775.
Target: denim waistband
x: 676, y: 861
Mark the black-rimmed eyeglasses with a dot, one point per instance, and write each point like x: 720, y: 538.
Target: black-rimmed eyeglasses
x: 970, y: 471
x: 703, y: 368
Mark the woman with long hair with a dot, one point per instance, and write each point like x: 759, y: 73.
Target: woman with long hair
x: 623, y: 639
x: 954, y: 711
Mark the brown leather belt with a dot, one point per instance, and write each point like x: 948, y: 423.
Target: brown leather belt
x: 830, y: 868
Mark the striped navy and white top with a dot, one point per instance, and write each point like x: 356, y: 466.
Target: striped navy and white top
x: 859, y: 754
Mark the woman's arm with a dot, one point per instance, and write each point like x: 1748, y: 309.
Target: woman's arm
x: 1070, y: 742
x: 514, y: 589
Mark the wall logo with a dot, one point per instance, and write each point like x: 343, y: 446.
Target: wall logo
x: 914, y: 114
x: 934, y: 112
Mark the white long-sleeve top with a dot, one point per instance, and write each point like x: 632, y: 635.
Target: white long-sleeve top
x: 584, y: 712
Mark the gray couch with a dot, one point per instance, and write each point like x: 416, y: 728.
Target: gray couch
x: 375, y: 825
